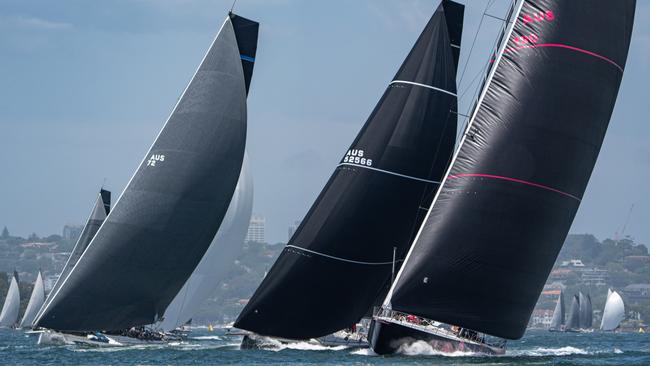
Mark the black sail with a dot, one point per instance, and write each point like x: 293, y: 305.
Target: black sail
x: 171, y: 209
x: 340, y: 258
x: 97, y: 216
x: 499, y: 220
x: 573, y: 320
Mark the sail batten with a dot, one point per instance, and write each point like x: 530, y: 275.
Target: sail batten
x: 507, y: 202
x: 340, y: 259
x: 170, y: 211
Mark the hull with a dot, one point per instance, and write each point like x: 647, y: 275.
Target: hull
x: 95, y: 340
x: 388, y: 337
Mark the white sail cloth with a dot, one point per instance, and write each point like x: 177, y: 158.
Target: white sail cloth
x: 36, y: 300
x: 11, y: 307
x: 614, y: 312
x: 218, y: 259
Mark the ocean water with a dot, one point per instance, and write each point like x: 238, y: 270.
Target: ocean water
x: 214, y: 348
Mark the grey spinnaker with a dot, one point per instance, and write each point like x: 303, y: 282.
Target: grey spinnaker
x: 586, y: 311
x: 36, y: 300
x: 573, y: 319
x: 11, y: 306
x: 218, y: 260
x: 170, y: 211
x: 95, y: 220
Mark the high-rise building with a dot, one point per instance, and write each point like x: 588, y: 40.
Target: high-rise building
x: 72, y: 232
x: 256, y: 229
x: 293, y: 228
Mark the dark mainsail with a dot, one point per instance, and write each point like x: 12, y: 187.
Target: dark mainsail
x: 171, y: 209
x: 558, y: 314
x: 498, y: 222
x: 573, y: 320
x: 341, y: 257
x: 97, y: 216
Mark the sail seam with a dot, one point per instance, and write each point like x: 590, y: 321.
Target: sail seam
x: 515, y: 180
x: 565, y: 46
x: 392, y: 173
x: 343, y: 259
x: 422, y: 85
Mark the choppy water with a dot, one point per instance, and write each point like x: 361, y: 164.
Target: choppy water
x: 203, y: 348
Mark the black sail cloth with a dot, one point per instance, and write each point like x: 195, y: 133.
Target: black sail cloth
x: 495, y: 229
x: 171, y: 209
x: 340, y: 258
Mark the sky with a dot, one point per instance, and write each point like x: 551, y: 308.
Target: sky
x: 85, y: 86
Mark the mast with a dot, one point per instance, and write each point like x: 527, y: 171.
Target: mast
x: 11, y: 307
x: 36, y: 300
x: 135, y: 264
x: 508, y: 200
x: 339, y: 260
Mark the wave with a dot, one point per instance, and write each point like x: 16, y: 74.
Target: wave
x: 543, y: 351
x: 207, y: 338
x: 422, y: 348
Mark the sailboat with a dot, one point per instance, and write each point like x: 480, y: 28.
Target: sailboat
x: 586, y: 312
x: 11, y: 307
x: 573, y: 320
x: 495, y: 228
x: 36, y: 300
x: 167, y: 216
x: 343, y: 254
x: 614, y: 312
x: 98, y: 214
x: 557, y: 322
x: 218, y: 259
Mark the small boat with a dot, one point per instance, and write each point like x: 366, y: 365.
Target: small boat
x: 557, y: 322
x: 11, y: 306
x: 496, y: 225
x: 36, y: 300
x: 614, y: 312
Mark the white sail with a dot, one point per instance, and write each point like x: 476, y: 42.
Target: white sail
x: 218, y: 259
x: 11, y: 307
x: 614, y: 312
x: 35, y: 302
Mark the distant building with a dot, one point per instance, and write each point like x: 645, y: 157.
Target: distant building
x: 256, y: 229
x: 637, y: 291
x: 573, y: 263
x: 594, y: 276
x: 293, y: 228
x: 72, y: 232
x: 49, y: 281
x: 541, y: 319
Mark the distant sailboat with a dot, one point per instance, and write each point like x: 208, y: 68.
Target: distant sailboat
x: 11, y: 307
x: 95, y: 220
x: 341, y: 257
x: 614, y: 312
x: 586, y: 311
x: 557, y: 322
x: 218, y: 259
x: 36, y: 300
x: 494, y: 230
x: 573, y: 320
x: 167, y: 216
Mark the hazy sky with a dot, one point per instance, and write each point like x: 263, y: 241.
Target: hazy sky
x: 86, y: 86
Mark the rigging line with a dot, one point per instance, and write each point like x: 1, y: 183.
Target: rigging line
x: 233, y: 6
x: 391, y: 173
x: 471, y: 49
x: 342, y: 259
